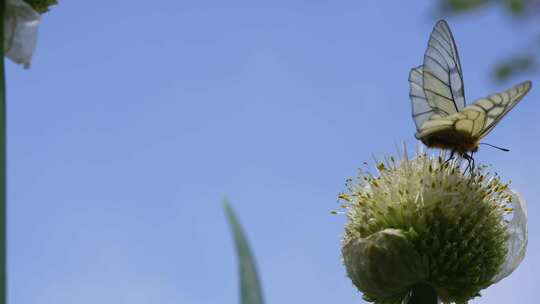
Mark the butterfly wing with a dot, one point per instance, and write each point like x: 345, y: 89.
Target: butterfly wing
x: 443, y: 78
x: 496, y: 106
x: 421, y: 109
x: 436, y: 87
x: 478, y: 119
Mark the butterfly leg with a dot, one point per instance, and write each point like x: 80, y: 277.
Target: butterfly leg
x: 473, y: 164
x: 469, y: 161
x: 451, y: 157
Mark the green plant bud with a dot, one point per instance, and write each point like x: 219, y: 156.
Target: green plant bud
x: 384, y: 265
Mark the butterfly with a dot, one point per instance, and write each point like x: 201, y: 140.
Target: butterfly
x: 438, y: 100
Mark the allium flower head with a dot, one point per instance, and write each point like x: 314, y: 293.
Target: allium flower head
x: 424, y: 221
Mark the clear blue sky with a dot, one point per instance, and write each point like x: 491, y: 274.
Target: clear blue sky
x: 138, y: 118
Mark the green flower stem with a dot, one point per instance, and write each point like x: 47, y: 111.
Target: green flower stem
x: 3, y: 223
x: 423, y: 294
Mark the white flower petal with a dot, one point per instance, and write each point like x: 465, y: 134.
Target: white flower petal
x: 20, y: 31
x: 517, y: 243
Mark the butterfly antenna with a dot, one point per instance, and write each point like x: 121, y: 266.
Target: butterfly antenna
x: 502, y: 149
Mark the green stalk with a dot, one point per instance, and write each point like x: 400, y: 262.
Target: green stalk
x: 423, y: 294
x: 3, y: 169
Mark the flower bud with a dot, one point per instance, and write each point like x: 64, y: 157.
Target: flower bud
x: 384, y: 265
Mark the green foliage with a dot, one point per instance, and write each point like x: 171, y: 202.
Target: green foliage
x: 515, y: 65
x: 462, y: 5
x: 41, y: 6
x: 250, y: 287
x: 515, y: 6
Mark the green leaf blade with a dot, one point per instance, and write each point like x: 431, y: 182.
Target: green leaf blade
x: 250, y: 287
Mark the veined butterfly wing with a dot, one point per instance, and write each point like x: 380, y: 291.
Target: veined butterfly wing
x: 436, y: 87
x: 496, y: 106
x: 421, y: 110
x: 478, y: 119
x: 443, y: 78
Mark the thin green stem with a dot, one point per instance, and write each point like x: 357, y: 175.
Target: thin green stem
x: 423, y: 294
x: 3, y: 169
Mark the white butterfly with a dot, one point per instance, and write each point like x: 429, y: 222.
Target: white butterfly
x: 438, y: 99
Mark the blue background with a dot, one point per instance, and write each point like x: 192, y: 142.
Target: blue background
x: 138, y: 118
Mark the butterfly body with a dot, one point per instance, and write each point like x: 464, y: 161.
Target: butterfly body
x: 450, y: 140
x: 438, y: 99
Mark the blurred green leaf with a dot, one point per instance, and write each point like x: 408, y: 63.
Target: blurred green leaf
x: 513, y: 66
x: 459, y: 6
x: 515, y: 6
x: 250, y: 287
